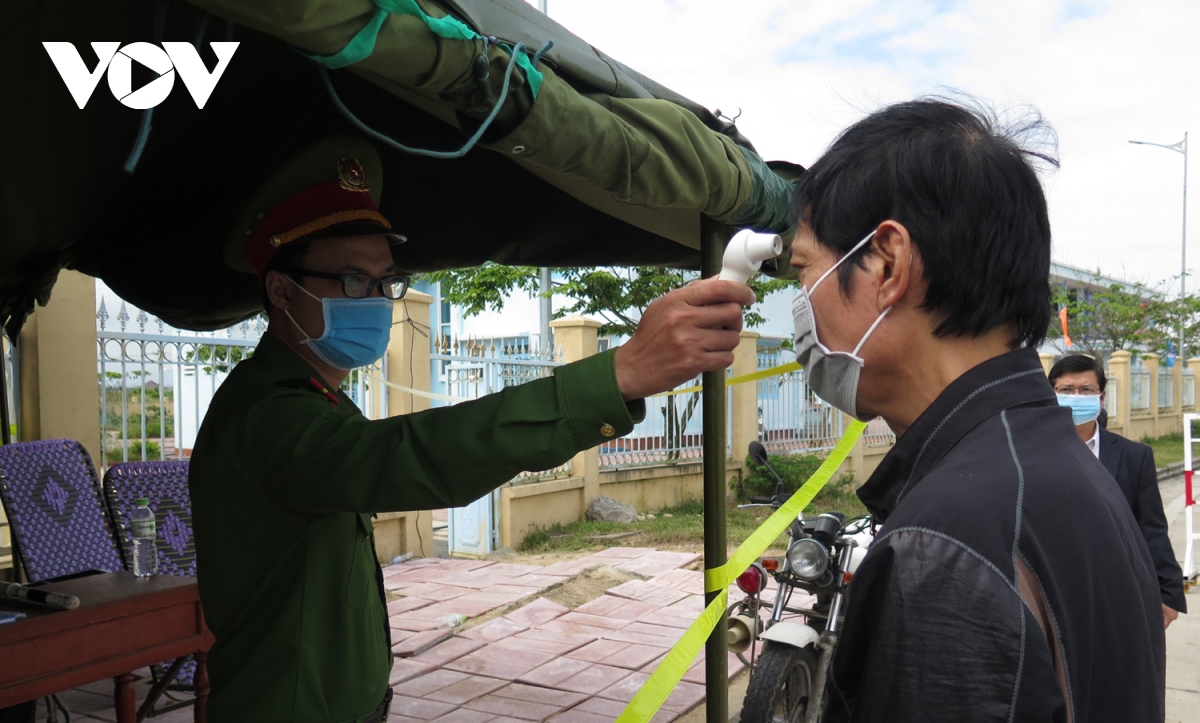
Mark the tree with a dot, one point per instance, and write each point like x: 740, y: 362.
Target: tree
x: 617, y: 295
x: 1107, y: 317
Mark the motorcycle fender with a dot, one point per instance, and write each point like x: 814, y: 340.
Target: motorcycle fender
x: 794, y: 634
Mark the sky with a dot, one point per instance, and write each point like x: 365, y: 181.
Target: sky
x: 1101, y: 73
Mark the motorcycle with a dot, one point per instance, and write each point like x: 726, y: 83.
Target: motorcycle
x: 787, y: 680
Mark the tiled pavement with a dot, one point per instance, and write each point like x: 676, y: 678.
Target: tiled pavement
x: 542, y: 661
x: 539, y: 662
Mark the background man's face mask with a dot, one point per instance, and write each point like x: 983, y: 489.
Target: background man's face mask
x: 832, y: 375
x: 356, y: 330
x: 1084, y: 407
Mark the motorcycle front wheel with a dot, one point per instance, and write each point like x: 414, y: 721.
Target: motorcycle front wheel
x: 782, y: 685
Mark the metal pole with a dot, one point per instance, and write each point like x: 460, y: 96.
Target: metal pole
x: 713, y: 237
x: 1183, y: 272
x: 1180, y: 147
x: 545, y: 302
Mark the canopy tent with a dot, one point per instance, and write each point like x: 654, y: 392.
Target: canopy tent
x: 586, y: 162
x: 603, y: 167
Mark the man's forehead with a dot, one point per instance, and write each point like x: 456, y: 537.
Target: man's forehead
x: 1084, y: 377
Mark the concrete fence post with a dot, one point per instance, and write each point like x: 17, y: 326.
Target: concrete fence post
x: 745, y: 398
x: 1118, y: 366
x: 408, y: 353
x: 1047, y: 361
x: 398, y: 533
x: 579, y: 338
x: 59, y: 386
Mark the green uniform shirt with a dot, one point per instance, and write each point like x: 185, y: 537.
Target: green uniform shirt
x: 283, y: 482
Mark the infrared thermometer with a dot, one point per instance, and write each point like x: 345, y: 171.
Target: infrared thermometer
x: 746, y: 252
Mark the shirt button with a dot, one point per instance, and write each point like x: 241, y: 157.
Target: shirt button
x: 606, y: 430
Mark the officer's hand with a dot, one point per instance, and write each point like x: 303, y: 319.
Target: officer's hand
x: 690, y: 330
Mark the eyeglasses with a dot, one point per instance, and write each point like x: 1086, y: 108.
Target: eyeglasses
x: 1078, y: 390
x: 360, y: 286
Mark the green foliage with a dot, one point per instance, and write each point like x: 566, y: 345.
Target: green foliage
x: 1124, y: 316
x: 113, y: 453
x: 684, y: 528
x: 795, y: 469
x: 617, y: 295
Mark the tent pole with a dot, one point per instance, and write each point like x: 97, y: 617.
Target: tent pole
x: 713, y: 237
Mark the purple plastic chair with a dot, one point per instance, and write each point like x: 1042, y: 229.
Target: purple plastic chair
x: 55, y: 509
x: 165, y: 485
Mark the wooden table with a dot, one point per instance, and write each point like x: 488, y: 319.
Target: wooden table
x: 122, y: 623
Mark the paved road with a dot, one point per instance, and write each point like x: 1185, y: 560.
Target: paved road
x: 1183, y: 637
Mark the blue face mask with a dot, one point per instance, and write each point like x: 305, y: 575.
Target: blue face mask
x: 357, y: 331
x: 1084, y: 407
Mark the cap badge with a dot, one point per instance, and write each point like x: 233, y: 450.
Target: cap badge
x: 351, y: 175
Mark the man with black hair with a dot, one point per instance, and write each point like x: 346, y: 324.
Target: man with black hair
x: 1079, y: 382
x: 1004, y: 584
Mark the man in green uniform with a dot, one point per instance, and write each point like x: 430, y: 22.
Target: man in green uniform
x: 286, y: 471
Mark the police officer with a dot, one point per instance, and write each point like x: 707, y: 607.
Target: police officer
x: 286, y: 471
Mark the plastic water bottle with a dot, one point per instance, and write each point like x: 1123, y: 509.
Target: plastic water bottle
x: 453, y: 620
x: 145, y: 556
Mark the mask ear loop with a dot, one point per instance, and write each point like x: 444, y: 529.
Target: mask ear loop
x: 869, y: 332
x: 324, y: 313
x: 847, y: 255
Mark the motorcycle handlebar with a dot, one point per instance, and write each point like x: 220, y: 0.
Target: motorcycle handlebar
x: 761, y: 500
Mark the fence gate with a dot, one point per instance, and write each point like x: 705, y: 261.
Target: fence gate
x: 473, y: 369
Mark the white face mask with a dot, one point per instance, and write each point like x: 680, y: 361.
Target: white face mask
x: 832, y: 375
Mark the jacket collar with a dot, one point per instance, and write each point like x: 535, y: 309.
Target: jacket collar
x: 285, y: 363
x: 1003, y: 382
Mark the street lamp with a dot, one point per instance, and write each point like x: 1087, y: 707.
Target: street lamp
x: 1180, y: 147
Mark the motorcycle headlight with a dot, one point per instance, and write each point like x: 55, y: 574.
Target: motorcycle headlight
x: 807, y: 559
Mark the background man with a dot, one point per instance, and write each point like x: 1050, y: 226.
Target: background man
x: 923, y: 252
x: 286, y: 471
x: 1079, y: 382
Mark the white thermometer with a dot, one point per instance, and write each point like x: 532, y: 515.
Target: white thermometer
x: 746, y: 252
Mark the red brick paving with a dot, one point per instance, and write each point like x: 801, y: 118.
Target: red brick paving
x: 414, y: 643
x: 542, y: 661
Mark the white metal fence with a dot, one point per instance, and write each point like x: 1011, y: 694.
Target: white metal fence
x: 474, y: 368
x: 672, y: 432
x: 156, y: 382
x: 1139, y: 389
x: 791, y: 418
x: 1166, y: 389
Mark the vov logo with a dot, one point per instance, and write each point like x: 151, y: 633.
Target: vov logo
x: 118, y: 61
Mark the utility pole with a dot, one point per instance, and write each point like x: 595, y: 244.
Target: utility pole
x: 1180, y: 148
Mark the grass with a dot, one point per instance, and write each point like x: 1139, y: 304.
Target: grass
x: 683, y: 525
x: 1167, y: 449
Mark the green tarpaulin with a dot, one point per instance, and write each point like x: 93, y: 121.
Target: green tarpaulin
x: 600, y: 166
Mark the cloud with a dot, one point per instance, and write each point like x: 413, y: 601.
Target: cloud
x: 1101, y: 73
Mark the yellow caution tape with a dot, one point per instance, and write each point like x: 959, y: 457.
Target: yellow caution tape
x: 743, y: 379
x: 670, y: 671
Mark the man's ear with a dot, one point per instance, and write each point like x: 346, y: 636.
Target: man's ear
x: 278, y: 289
x: 894, y: 263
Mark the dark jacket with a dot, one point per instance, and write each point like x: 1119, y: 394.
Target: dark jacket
x: 997, y: 519
x: 1132, y: 465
